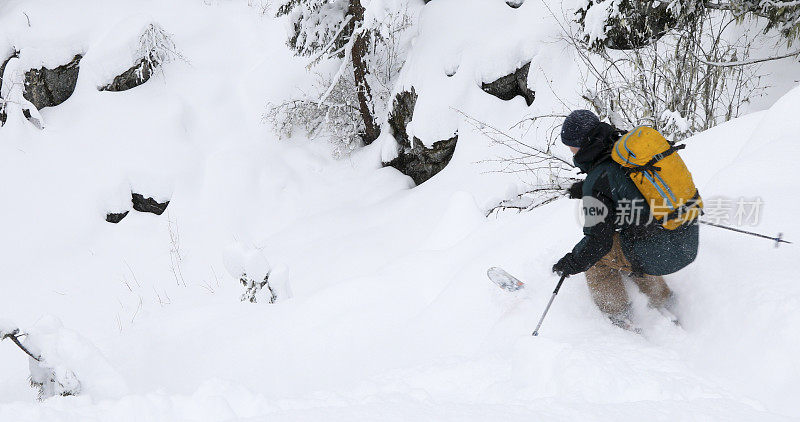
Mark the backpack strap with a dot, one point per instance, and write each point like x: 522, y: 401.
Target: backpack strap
x: 650, y: 165
x: 684, y: 207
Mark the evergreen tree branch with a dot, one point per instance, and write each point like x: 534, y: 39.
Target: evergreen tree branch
x: 323, y: 52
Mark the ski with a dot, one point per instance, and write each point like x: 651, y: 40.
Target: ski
x: 504, y: 280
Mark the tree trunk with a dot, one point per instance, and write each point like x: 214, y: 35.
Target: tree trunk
x: 360, y: 72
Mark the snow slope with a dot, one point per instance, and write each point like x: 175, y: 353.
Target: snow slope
x: 391, y: 317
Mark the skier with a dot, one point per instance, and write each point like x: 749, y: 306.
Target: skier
x: 621, y: 237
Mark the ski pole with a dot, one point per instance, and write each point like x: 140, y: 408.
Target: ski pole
x: 778, y: 239
x: 555, y: 292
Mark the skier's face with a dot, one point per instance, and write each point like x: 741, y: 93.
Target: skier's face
x: 574, y: 150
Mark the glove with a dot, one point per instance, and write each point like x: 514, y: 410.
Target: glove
x: 576, y: 190
x: 565, y: 266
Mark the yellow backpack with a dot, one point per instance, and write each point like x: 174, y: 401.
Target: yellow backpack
x: 660, y: 175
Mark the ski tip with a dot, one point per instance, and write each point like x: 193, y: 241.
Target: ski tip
x: 504, y: 280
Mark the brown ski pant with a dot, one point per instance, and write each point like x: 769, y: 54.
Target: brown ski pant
x: 608, y: 290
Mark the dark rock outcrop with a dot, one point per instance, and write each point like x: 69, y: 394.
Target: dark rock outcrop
x: 515, y: 4
x: 511, y: 85
x: 421, y: 163
x: 116, y: 217
x: 142, y: 204
x: 50, y: 87
x: 415, y: 159
x: 402, y: 112
x: 131, y: 78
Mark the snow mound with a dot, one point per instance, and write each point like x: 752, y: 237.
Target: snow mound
x: 460, y: 218
x: 69, y: 364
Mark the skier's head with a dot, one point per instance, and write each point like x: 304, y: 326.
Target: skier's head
x: 576, y: 128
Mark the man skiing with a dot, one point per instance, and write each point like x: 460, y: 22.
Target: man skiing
x: 621, y: 237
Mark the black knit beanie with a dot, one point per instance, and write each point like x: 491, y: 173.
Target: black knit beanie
x: 577, y: 126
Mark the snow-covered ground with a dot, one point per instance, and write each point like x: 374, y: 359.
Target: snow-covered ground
x: 384, y: 309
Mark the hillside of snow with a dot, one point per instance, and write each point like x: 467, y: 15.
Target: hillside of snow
x: 384, y: 311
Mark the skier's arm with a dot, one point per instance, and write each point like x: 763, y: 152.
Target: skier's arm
x: 598, y: 232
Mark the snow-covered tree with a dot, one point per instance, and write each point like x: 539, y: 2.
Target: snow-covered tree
x: 783, y: 15
x: 335, y: 28
x: 628, y: 24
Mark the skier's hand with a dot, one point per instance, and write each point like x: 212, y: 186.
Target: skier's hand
x: 576, y: 190
x: 565, y: 266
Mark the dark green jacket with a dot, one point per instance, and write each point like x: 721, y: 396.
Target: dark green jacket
x: 650, y: 248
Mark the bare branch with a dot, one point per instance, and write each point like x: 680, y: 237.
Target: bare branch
x: 749, y: 62
x: 519, y: 208
x: 482, y: 125
x: 14, y: 337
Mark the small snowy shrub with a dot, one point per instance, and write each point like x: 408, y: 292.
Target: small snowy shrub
x: 262, y: 6
x: 254, y: 272
x: 53, y: 381
x: 336, y: 119
x: 155, y: 48
x: 253, y: 289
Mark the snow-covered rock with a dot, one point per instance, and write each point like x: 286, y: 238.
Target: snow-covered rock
x: 413, y: 157
x: 512, y: 85
x: 148, y: 204
x: 46, y: 87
